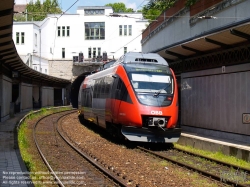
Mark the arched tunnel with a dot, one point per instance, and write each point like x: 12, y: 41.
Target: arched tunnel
x: 75, y: 89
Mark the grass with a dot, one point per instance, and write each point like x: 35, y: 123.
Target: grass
x: 215, y: 155
x: 27, y: 147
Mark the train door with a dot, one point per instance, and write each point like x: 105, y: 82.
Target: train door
x: 117, y: 95
x: 87, y: 104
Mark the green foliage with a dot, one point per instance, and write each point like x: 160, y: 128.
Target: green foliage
x: 215, y: 155
x: 190, y: 2
x: 150, y: 14
x: 22, y: 141
x: 38, y: 11
x: 119, y: 7
x: 155, y: 7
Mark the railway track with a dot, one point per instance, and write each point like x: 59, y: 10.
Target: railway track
x: 68, y: 166
x: 122, y: 164
x: 212, y: 168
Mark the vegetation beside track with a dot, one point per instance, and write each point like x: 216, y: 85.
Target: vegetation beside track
x: 26, y: 143
x: 215, y: 155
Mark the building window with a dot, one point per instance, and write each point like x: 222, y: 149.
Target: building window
x: 63, y: 52
x: 94, y: 52
x: 46, y: 71
x: 120, y: 30
x: 35, y: 68
x: 125, y: 30
x: 35, y: 39
x: 99, y: 51
x: 89, y: 53
x: 94, y: 12
x: 63, y: 30
x: 68, y: 29
x: 130, y: 30
x: 17, y: 37
x: 59, y: 31
x: 125, y: 50
x: 22, y: 37
x: 94, y: 30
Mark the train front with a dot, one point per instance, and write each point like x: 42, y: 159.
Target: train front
x: 155, y: 112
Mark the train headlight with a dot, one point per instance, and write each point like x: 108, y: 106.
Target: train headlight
x: 150, y: 121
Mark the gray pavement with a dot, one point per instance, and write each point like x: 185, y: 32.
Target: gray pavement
x: 12, y: 169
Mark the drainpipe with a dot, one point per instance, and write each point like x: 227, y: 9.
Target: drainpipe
x: 40, y: 65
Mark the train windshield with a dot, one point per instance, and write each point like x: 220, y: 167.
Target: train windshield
x: 153, y: 85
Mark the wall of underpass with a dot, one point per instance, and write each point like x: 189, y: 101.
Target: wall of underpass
x: 214, y: 101
x: 5, y: 97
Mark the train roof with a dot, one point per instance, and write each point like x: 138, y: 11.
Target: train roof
x: 145, y: 58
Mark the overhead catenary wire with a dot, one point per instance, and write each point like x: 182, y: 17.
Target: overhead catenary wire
x: 69, y: 8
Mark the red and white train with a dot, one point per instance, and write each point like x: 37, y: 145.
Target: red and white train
x: 135, y: 98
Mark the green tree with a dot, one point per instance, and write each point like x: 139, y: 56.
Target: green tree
x: 38, y: 11
x: 155, y: 7
x: 119, y: 7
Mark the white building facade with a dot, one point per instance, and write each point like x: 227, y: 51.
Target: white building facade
x: 94, y: 34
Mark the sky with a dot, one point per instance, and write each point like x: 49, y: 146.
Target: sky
x: 66, y: 4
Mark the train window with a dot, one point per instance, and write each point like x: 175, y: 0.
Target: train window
x: 145, y: 60
x: 83, y: 95
x: 153, y: 89
x: 102, y: 89
x: 108, y: 82
x: 96, y: 93
x: 151, y: 83
x: 120, y: 91
x: 87, y: 98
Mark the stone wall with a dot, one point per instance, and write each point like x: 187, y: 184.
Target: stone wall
x: 69, y: 70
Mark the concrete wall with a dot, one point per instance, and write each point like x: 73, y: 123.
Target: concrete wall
x: 26, y: 97
x: 47, y: 96
x: 214, y: 100
x: 5, y: 97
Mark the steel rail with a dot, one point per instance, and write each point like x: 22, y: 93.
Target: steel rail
x: 42, y: 155
x: 205, y: 173
x: 93, y: 161
x: 214, y: 160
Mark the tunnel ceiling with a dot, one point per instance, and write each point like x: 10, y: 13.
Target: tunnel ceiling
x: 10, y: 60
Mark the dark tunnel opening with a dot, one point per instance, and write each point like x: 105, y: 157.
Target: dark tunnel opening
x: 75, y: 89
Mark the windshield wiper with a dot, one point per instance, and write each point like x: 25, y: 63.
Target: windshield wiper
x: 157, y: 93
